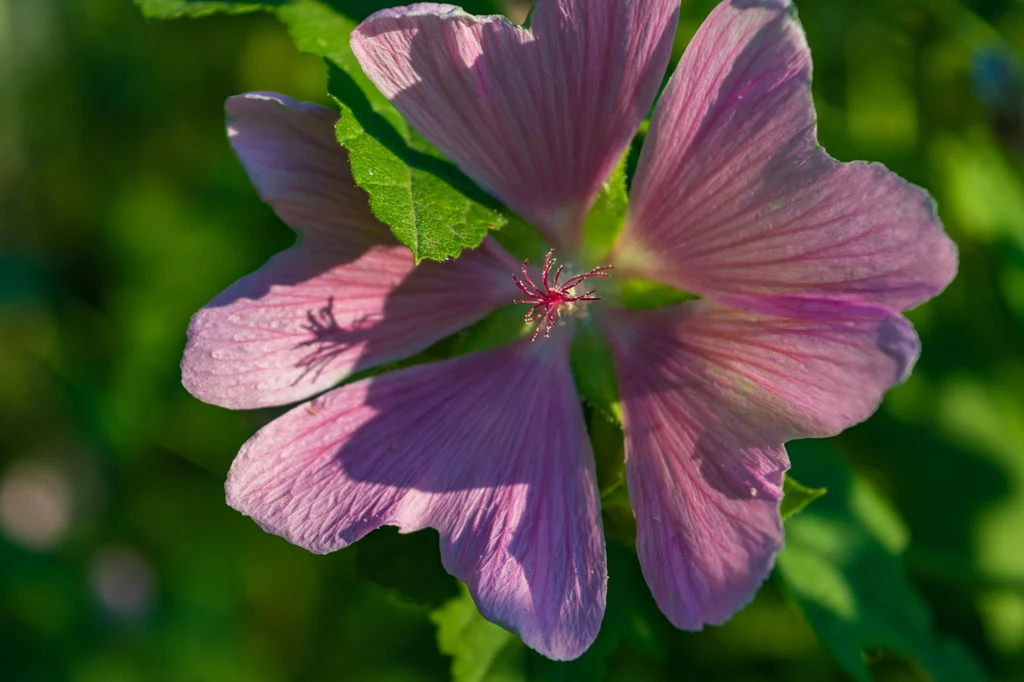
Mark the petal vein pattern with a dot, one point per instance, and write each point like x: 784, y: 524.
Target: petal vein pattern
x: 490, y: 449
x: 709, y: 395
x: 734, y: 197
x: 538, y: 117
x: 346, y: 298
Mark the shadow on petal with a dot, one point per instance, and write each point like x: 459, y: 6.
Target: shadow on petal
x: 489, y: 448
x: 537, y: 117
x: 709, y: 396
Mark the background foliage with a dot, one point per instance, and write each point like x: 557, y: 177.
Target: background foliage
x: 123, y: 211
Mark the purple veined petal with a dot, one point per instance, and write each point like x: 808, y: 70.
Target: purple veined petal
x: 537, y: 117
x: 709, y: 396
x: 289, y: 150
x: 490, y: 449
x: 732, y: 195
x: 346, y: 298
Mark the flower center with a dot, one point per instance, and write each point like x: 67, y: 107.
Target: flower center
x: 553, y: 298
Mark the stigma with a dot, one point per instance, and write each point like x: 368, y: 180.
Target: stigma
x: 551, y: 297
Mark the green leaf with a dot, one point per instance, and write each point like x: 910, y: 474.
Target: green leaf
x: 412, y: 191
x: 172, y: 9
x: 319, y: 30
x: 604, y: 221
x: 842, y: 567
x: 480, y: 650
x: 431, y: 206
x: 502, y: 327
x: 642, y: 294
x: 617, y: 515
x: 608, y: 444
x: 522, y: 240
x: 593, y: 371
x: 797, y: 496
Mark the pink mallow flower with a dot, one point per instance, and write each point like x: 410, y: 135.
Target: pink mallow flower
x: 802, y: 263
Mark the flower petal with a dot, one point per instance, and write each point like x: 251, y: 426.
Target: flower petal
x: 346, y: 298
x: 732, y: 195
x: 297, y: 166
x: 538, y: 117
x: 490, y: 449
x: 709, y: 395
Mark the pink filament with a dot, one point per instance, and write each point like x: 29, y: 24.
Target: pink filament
x: 551, y: 294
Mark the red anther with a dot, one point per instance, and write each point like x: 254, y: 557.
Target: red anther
x: 546, y: 299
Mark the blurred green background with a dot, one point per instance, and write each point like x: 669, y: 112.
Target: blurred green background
x: 122, y: 211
